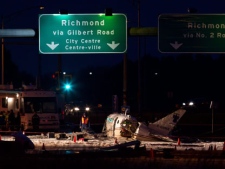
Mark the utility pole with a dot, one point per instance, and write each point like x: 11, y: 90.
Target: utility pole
x: 2, y: 39
x: 39, y: 72
x: 139, y: 60
x: 3, y: 57
x: 139, y: 57
x: 59, y: 71
x: 125, y: 80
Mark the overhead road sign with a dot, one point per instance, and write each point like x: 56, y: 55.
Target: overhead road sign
x: 11, y: 33
x: 143, y: 31
x: 191, y: 33
x: 82, y: 33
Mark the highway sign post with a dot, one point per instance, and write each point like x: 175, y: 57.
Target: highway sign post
x: 191, y: 33
x: 82, y: 33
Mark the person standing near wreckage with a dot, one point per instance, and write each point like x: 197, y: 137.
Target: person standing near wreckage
x: 84, y: 122
x: 35, y: 121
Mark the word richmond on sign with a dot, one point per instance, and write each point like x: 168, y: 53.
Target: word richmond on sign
x: 82, y: 23
x: 205, y: 26
x: 82, y: 33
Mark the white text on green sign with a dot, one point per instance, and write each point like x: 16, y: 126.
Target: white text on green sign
x: 82, y: 33
x: 191, y: 33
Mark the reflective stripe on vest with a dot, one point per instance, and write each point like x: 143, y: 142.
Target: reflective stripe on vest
x: 84, y: 120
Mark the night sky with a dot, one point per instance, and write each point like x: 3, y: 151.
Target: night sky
x: 25, y: 52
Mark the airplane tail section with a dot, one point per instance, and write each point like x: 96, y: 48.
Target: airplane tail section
x: 165, y: 125
x: 122, y: 125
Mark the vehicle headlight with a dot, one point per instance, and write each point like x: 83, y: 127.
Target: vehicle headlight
x: 191, y: 104
x: 76, y: 109
x: 87, y: 108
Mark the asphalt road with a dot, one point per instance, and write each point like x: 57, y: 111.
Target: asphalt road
x: 125, y: 158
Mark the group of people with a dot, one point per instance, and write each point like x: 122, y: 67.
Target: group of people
x: 10, y: 121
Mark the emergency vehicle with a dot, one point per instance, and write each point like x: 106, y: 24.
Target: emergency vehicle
x: 29, y: 101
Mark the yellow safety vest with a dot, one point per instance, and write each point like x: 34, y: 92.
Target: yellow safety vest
x: 84, y: 120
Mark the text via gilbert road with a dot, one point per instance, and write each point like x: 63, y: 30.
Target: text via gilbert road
x: 191, y: 33
x: 82, y: 33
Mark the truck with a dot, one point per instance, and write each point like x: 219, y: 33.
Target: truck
x: 27, y: 101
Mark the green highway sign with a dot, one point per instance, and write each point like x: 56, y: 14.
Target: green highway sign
x: 191, y: 33
x: 82, y: 33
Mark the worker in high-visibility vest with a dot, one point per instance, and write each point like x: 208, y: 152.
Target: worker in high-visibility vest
x: 84, y: 122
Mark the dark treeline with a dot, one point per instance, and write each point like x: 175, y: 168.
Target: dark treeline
x: 164, y: 81
x: 12, y: 75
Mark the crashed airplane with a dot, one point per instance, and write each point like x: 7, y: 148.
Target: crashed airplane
x: 125, y: 126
